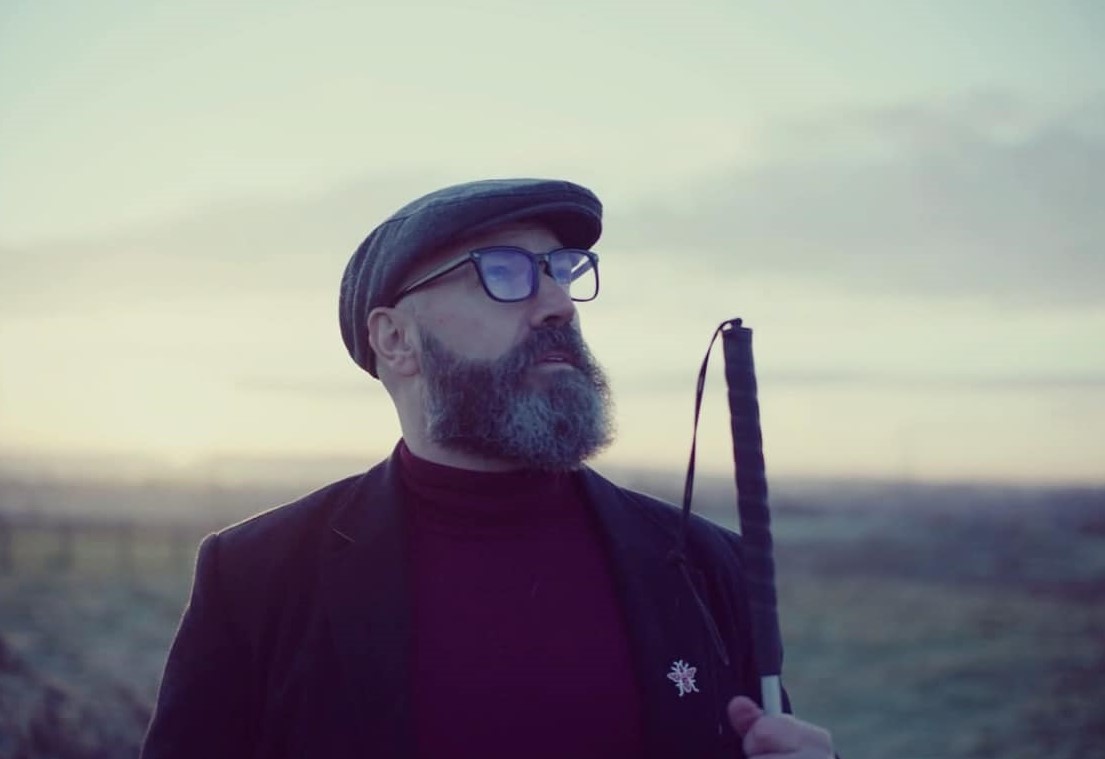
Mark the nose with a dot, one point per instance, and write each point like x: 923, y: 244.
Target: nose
x: 552, y: 303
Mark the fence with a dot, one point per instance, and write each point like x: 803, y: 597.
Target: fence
x: 63, y: 543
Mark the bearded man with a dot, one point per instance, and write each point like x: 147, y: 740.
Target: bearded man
x: 482, y: 592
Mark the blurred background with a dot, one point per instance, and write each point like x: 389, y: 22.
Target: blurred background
x: 903, y: 201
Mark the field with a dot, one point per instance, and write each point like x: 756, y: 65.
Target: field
x: 920, y: 621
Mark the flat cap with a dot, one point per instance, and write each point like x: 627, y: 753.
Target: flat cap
x: 380, y: 265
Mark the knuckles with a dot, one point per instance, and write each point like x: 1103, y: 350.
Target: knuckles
x: 787, y: 735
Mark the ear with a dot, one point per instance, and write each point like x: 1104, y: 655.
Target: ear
x: 391, y: 335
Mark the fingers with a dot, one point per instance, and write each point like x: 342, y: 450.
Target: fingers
x: 772, y: 735
x: 765, y: 737
x: 743, y: 713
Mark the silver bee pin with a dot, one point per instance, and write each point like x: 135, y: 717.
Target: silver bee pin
x: 682, y: 674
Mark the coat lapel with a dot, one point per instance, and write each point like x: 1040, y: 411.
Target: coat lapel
x: 365, y: 586
x: 667, y: 632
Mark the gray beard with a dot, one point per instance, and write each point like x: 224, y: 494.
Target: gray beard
x: 488, y: 408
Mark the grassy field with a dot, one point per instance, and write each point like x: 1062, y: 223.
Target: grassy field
x: 919, y: 623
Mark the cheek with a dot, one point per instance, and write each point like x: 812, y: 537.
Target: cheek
x: 474, y: 336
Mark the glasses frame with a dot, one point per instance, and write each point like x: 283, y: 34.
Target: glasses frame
x: 537, y: 261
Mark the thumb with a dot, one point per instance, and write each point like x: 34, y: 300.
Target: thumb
x: 743, y: 713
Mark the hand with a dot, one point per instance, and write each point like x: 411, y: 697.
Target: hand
x: 777, y: 737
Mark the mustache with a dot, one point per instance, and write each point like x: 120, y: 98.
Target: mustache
x: 561, y: 338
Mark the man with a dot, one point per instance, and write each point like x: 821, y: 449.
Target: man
x: 481, y: 592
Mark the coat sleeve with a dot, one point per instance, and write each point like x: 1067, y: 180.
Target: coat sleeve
x: 202, y: 707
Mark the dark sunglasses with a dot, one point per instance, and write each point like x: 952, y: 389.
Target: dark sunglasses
x: 509, y: 274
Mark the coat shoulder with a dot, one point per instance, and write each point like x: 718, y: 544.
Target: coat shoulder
x: 703, y: 535
x: 289, y: 520
x: 258, y: 550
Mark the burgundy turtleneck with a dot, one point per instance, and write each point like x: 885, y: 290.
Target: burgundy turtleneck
x: 520, y: 647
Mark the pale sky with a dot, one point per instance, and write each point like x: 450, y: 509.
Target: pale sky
x: 901, y: 199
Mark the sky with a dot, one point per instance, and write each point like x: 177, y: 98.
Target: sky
x: 902, y: 200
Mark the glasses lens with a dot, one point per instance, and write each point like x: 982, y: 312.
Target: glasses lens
x: 506, y: 273
x: 509, y: 274
x: 575, y: 270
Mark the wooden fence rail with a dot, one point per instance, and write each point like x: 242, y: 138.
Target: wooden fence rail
x: 67, y: 543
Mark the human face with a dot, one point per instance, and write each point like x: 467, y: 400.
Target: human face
x: 457, y: 311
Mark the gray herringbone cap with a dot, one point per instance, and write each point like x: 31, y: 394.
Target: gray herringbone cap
x: 416, y: 231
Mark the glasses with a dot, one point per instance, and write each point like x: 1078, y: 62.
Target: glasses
x: 510, y: 274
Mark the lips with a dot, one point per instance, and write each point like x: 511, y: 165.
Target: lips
x: 552, y: 346
x: 556, y: 357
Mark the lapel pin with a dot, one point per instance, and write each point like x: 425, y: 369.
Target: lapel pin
x: 682, y: 674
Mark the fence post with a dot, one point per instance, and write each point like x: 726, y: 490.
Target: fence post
x: 124, y: 532
x: 178, y: 536
x: 66, y: 556
x: 7, y: 561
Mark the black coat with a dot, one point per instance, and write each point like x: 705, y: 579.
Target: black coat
x: 295, y: 640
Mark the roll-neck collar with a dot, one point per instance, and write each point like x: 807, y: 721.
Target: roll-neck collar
x: 458, y: 498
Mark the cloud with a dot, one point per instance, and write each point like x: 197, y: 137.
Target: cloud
x: 985, y: 196
x: 921, y: 381
x: 323, y: 389
x: 982, y: 196
x: 264, y: 247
